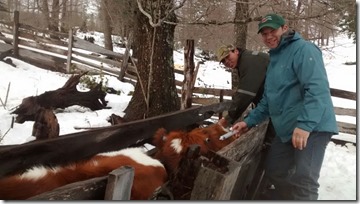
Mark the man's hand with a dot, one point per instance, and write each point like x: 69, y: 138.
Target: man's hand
x: 299, y: 138
x: 240, y: 128
x: 223, y: 122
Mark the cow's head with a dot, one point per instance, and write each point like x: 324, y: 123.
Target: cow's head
x: 172, y: 146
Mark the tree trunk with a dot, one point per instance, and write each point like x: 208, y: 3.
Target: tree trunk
x: 55, y: 18
x: 155, y: 65
x: 64, y: 27
x: 241, y: 13
x: 46, y: 13
x: 107, y: 25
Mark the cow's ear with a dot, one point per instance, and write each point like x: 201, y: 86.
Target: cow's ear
x: 159, y: 136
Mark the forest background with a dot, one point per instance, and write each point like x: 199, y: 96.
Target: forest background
x: 155, y: 28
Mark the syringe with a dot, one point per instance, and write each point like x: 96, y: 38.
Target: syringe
x: 227, y: 135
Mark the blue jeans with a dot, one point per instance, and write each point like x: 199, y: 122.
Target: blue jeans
x: 293, y: 172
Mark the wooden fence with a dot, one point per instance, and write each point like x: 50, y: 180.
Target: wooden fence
x: 69, y: 50
x: 66, y: 51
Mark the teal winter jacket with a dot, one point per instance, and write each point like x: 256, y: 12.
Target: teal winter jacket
x: 296, y: 92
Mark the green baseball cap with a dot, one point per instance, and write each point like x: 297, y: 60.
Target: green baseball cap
x: 224, y: 51
x: 271, y: 20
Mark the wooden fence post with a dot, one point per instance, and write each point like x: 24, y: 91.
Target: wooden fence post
x: 125, y: 63
x: 221, y: 99
x: 70, y: 45
x: 119, y: 184
x: 16, y: 33
x: 189, y: 66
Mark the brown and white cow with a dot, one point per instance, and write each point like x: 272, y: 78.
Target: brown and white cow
x: 172, y: 146
x: 149, y: 174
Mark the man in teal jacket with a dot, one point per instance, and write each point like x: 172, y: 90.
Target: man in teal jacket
x: 298, y: 101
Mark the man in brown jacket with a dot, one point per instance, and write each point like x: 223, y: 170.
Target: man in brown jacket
x: 251, y: 68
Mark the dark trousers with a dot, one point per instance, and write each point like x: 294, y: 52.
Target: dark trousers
x: 293, y: 172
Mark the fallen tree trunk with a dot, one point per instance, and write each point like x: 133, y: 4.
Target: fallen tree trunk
x: 63, y: 97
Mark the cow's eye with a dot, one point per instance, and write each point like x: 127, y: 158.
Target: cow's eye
x: 207, y: 140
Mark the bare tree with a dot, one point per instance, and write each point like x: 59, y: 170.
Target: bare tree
x: 107, y: 26
x: 155, y: 93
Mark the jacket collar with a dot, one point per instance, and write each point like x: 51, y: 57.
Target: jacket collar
x: 286, y: 39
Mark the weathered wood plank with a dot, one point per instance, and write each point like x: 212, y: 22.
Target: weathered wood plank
x: 42, y: 60
x: 206, y: 101
x: 83, y: 44
x: 345, y: 111
x: 215, y: 179
x: 343, y: 94
x: 92, y: 189
x: 347, y: 128
x: 246, y: 151
x: 245, y: 144
x: 119, y: 183
x: 44, y: 47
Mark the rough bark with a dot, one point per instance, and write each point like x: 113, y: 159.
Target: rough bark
x: 241, y: 13
x: 107, y: 24
x: 158, y: 58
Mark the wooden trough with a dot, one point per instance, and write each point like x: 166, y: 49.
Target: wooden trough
x: 241, y: 159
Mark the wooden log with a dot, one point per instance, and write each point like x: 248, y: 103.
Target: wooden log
x: 119, y: 183
x: 91, y: 189
x: 66, y: 96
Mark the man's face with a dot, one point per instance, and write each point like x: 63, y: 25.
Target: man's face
x: 271, y: 37
x: 232, y: 59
